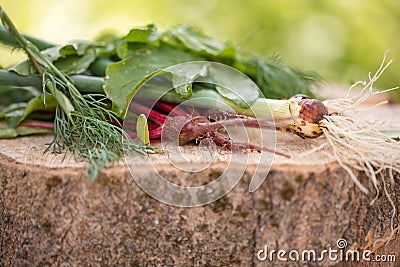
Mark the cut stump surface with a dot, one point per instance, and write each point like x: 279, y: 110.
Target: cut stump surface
x: 50, y: 214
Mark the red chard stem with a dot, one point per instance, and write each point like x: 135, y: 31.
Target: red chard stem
x: 37, y: 124
x: 151, y: 114
x: 170, y: 108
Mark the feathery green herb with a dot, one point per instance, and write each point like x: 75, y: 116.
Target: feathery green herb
x: 83, y: 123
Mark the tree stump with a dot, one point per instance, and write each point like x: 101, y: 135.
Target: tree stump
x: 52, y: 215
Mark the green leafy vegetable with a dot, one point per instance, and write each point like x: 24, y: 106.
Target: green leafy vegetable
x: 184, y: 77
x: 125, y: 77
x: 41, y: 102
x: 7, y: 132
x: 74, y: 57
x: 144, y: 51
x: 142, y: 35
x: 15, y: 94
x: 13, y: 113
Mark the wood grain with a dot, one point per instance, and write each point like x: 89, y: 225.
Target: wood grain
x: 51, y: 215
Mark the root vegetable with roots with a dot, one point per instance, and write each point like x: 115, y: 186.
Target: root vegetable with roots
x: 185, y: 128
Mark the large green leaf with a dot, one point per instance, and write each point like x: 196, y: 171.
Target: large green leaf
x: 145, y: 34
x: 15, y: 94
x: 124, y: 78
x: 75, y: 64
x: 193, y: 39
x: 274, y: 78
x: 15, y: 113
x: 74, y: 57
x: 234, y: 85
x: 7, y: 132
x: 138, y: 42
x: 41, y: 102
x: 26, y: 68
x: 183, y: 76
x: 79, y: 48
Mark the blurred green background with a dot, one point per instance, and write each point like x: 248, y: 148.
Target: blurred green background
x: 343, y: 39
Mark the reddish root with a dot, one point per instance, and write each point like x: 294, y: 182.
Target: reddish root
x: 246, y: 122
x: 187, y: 129
x: 37, y: 124
x: 216, y: 114
x: 194, y: 112
x: 230, y: 145
x: 151, y: 114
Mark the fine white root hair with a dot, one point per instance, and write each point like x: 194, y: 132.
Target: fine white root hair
x: 356, y: 143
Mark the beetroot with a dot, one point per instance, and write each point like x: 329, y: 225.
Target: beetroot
x: 178, y: 124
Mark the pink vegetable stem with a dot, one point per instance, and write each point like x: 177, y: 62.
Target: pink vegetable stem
x: 38, y: 124
x: 151, y: 114
x: 153, y: 134
x: 150, y: 125
x: 169, y: 108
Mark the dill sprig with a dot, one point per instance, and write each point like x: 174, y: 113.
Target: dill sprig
x: 82, y: 123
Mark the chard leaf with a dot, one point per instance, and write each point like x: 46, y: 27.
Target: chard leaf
x: 75, y: 64
x: 124, y: 78
x: 79, y: 48
x: 41, y: 102
x: 139, y: 41
x: 145, y: 34
x: 183, y: 77
x: 274, y: 78
x: 126, y: 50
x: 194, y: 39
x: 14, y: 94
x: 242, y: 99
x: 24, y: 68
x: 14, y: 114
x: 74, y: 57
x: 142, y: 129
x: 233, y: 85
x: 7, y: 132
